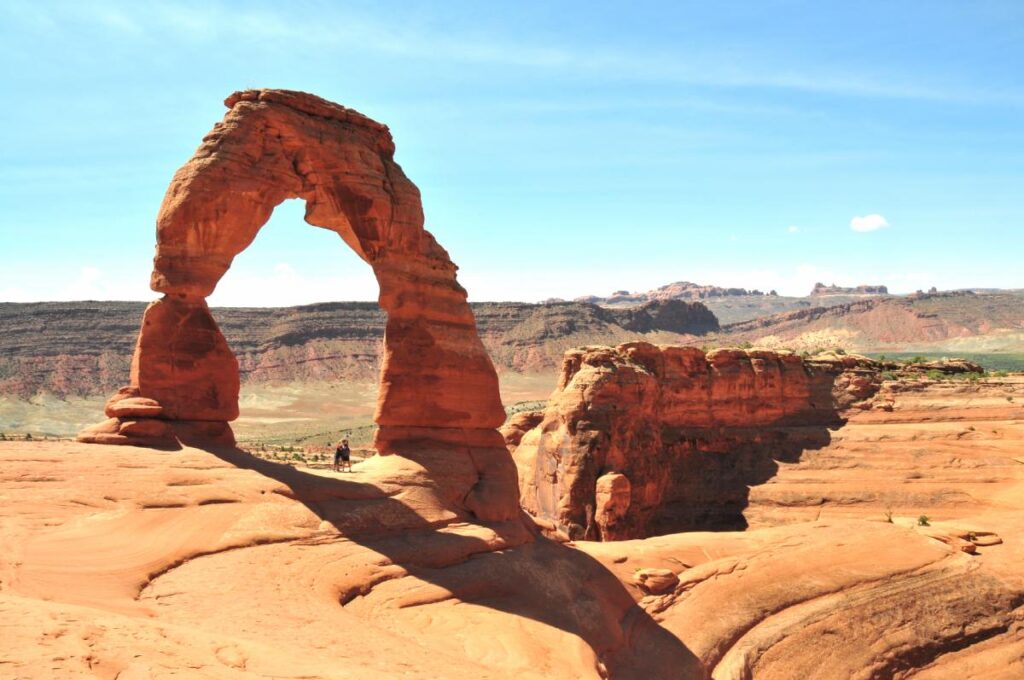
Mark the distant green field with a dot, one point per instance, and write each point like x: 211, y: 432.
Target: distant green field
x: 992, y: 361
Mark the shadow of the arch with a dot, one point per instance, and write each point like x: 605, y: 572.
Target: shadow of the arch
x: 512, y: 569
x: 717, y: 470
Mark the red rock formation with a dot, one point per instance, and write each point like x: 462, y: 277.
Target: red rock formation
x: 437, y: 382
x: 640, y: 439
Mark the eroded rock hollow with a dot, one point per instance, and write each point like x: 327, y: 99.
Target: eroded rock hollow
x: 439, y: 403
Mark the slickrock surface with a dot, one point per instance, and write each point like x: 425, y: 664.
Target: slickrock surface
x: 135, y: 563
x: 941, y: 448
x: 126, y: 562
x: 640, y: 440
x: 822, y: 586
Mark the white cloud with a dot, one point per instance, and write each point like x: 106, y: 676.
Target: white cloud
x: 792, y: 229
x: 872, y: 222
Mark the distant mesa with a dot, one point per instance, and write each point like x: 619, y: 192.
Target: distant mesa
x: 822, y: 289
x: 680, y: 290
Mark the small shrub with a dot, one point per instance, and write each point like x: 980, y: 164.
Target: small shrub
x: 917, y: 360
x: 746, y: 345
x: 888, y: 515
x: 28, y: 436
x: 923, y: 521
x: 888, y: 375
x: 935, y: 375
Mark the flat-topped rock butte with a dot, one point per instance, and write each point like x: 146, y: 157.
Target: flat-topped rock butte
x: 186, y: 557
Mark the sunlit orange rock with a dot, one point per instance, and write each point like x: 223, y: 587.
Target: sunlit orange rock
x: 437, y: 382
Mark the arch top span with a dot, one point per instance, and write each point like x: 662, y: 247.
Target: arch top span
x: 271, y: 146
x: 438, y: 386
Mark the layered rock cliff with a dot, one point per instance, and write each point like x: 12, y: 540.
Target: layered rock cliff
x: 640, y: 440
x: 84, y: 348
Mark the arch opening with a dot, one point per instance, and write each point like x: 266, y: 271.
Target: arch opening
x: 290, y: 264
x: 310, y: 365
x: 438, y: 401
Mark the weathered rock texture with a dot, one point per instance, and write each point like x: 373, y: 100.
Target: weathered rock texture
x: 639, y: 440
x: 439, y: 390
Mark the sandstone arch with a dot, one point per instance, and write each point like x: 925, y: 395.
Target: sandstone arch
x: 439, y: 402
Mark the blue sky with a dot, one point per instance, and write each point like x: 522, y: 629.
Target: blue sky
x: 561, y: 148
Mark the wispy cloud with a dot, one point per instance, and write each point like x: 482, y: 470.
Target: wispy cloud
x: 351, y: 31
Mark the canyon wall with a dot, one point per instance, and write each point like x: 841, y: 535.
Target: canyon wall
x: 639, y: 440
x: 84, y: 348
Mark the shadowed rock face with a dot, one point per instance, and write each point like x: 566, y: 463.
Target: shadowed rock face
x: 438, y: 390
x: 640, y: 440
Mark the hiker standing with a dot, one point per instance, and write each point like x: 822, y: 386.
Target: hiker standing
x: 342, y: 457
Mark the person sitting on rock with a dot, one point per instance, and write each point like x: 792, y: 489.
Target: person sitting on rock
x: 342, y: 457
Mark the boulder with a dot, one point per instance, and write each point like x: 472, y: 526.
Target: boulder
x: 656, y: 581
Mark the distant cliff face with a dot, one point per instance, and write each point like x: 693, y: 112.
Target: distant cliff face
x: 822, y: 289
x: 952, y: 322
x: 640, y: 440
x: 84, y: 348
